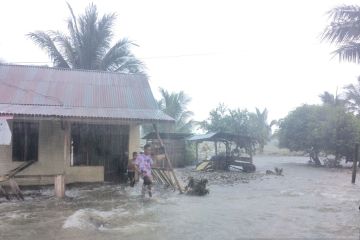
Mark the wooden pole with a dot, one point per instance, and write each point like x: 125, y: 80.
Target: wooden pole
x: 167, y: 158
x: 197, y: 152
x: 59, y: 186
x: 355, y: 164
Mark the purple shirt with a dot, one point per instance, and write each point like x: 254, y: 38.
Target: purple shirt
x: 144, y: 163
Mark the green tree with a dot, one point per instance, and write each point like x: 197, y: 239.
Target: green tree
x: 344, y: 31
x: 328, y: 98
x: 316, y: 129
x: 218, y: 120
x: 241, y: 122
x: 352, y: 97
x: 301, y: 130
x: 87, y: 45
x: 175, y: 105
x: 340, y: 132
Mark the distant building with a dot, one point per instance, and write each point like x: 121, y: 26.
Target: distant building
x: 175, y: 145
x: 79, y: 123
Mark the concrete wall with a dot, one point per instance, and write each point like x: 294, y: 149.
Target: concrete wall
x: 54, y: 159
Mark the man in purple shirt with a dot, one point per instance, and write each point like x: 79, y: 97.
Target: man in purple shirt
x: 143, y: 164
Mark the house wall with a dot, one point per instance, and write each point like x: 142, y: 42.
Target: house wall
x: 134, y: 139
x: 53, y: 159
x: 50, y: 155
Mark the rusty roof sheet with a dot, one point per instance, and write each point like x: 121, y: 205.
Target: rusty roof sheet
x: 44, y: 91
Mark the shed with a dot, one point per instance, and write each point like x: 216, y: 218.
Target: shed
x: 175, y: 144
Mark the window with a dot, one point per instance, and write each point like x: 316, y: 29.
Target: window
x: 98, y: 145
x: 25, y: 141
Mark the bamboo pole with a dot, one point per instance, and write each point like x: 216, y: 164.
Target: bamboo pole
x: 165, y: 177
x: 167, y: 158
x: 353, y: 178
x: 158, y: 177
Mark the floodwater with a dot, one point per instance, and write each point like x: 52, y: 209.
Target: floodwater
x: 307, y: 202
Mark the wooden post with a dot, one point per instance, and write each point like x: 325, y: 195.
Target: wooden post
x: 355, y: 164
x: 216, y: 149
x: 167, y: 158
x: 60, y: 186
x: 197, y: 152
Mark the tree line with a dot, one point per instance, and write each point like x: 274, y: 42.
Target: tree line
x: 330, y: 128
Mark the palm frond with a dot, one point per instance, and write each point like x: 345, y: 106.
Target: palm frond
x: 119, y: 58
x: 73, y: 29
x: 349, y: 52
x: 45, y: 42
x: 69, y: 52
x: 344, y: 26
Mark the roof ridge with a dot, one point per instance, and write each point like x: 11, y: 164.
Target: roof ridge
x: 68, y: 69
x: 74, y: 106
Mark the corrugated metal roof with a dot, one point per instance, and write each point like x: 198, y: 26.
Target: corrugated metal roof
x: 219, y: 136
x: 44, y: 91
x: 167, y: 135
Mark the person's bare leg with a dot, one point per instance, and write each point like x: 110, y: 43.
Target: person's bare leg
x: 143, y: 190
x: 149, y: 189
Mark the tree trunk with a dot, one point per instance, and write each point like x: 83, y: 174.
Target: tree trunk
x: 317, y: 160
x: 315, y: 157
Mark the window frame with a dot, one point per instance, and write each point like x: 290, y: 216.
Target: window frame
x: 25, y: 134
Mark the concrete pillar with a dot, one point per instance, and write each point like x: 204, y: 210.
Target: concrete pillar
x: 59, y: 186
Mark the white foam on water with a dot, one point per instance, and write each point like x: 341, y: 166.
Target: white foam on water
x: 339, y: 197
x: 92, y: 218
x: 131, y: 228
x: 291, y: 193
x: 17, y: 215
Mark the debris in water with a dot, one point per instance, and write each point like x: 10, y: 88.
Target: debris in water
x: 197, y: 187
x: 277, y: 171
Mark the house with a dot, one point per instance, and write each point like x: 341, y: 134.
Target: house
x: 79, y: 123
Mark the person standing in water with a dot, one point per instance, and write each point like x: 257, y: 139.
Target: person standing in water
x: 143, y: 164
x: 131, y: 169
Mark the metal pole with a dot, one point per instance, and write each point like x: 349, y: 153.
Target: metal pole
x: 355, y: 164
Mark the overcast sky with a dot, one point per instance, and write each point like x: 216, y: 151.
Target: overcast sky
x: 245, y: 54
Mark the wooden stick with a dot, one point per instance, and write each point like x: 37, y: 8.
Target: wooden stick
x: 167, y: 158
x: 353, y: 178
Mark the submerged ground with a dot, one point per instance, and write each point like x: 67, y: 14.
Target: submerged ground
x: 306, y: 202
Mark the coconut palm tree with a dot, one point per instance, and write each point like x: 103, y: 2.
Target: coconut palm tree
x: 87, y: 45
x: 263, y: 128
x: 175, y: 105
x: 344, y: 31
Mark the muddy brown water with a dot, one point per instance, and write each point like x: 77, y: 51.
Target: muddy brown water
x: 307, y: 202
